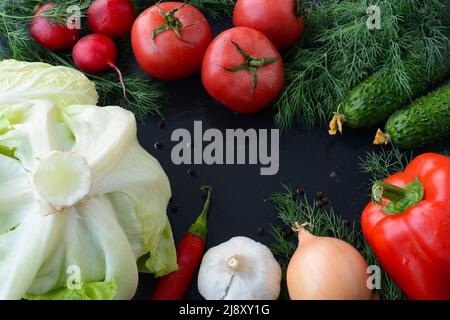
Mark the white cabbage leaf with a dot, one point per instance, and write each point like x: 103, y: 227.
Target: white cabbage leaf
x: 77, y: 191
x: 63, y: 86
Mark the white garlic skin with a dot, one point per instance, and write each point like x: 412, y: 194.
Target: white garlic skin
x: 239, y: 269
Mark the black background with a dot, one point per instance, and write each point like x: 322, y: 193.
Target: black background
x: 239, y: 191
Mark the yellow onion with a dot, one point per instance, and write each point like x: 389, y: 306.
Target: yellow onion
x: 324, y: 268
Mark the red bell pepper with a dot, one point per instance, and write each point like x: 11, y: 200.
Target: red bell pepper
x: 408, y: 227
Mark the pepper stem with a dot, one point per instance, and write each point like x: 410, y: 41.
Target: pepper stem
x: 200, y: 227
x: 401, y: 198
x: 381, y: 189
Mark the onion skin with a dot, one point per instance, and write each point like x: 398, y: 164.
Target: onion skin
x: 324, y: 268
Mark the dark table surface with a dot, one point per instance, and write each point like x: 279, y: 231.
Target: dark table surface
x: 239, y: 191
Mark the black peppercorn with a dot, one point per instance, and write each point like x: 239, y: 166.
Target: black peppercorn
x: 324, y: 201
x: 286, y: 232
x: 260, y: 231
x: 175, y: 206
x: 158, y: 145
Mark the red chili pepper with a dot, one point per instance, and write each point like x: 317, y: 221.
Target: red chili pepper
x: 189, y: 256
x: 408, y: 227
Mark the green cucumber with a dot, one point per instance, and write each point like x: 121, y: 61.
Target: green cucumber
x: 424, y: 121
x: 373, y: 101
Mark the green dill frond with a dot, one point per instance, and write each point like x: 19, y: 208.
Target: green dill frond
x: 322, y: 222
x: 215, y: 8
x: 144, y: 96
x: 384, y: 162
x: 141, y: 5
x: 389, y: 290
x: 283, y: 249
x: 59, y: 14
x: 339, y: 51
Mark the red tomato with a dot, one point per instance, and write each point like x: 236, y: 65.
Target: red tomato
x: 163, y: 53
x: 51, y: 35
x: 243, y: 70
x: 281, y: 21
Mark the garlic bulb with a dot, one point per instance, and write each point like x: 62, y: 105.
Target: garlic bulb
x: 239, y: 269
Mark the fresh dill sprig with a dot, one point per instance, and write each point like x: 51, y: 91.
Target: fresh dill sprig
x: 339, y: 51
x: 145, y: 97
x: 58, y: 14
x: 215, y: 8
x: 321, y: 222
x: 283, y: 249
x: 381, y: 164
x: 386, y: 161
x: 389, y: 289
x: 141, y: 5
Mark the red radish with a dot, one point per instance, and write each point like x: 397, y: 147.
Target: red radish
x: 113, y: 18
x: 96, y: 53
x: 51, y: 35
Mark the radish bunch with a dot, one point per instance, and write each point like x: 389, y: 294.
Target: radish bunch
x: 94, y: 53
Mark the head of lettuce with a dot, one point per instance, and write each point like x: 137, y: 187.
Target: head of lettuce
x: 82, y: 204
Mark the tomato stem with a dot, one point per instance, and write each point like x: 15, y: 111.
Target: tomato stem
x: 251, y: 64
x: 200, y: 227
x: 170, y: 22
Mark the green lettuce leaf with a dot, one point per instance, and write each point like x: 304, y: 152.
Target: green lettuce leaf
x: 105, y: 290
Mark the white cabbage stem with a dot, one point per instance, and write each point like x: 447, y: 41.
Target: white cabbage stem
x: 61, y: 180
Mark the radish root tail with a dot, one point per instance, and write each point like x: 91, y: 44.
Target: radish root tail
x: 112, y: 65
